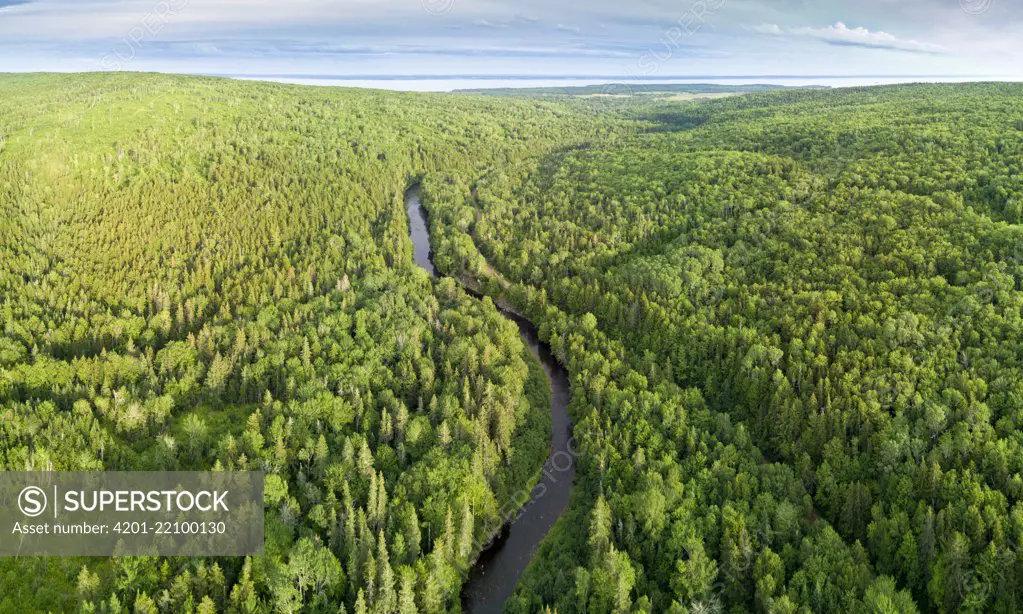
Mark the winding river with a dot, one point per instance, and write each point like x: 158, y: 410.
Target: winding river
x: 493, y: 578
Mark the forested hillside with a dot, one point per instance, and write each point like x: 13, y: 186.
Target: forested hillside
x: 793, y: 324
x: 209, y: 274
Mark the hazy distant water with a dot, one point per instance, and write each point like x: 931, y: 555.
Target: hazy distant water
x: 446, y: 84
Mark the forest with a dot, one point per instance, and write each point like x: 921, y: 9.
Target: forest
x: 205, y: 274
x: 790, y: 321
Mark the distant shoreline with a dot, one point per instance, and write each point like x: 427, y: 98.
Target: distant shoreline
x: 455, y: 83
x: 604, y: 78
x: 523, y: 83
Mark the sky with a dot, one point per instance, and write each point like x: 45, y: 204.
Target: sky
x: 638, y: 39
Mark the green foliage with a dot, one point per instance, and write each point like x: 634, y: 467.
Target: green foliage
x: 802, y: 381
x: 203, y: 273
x: 791, y: 322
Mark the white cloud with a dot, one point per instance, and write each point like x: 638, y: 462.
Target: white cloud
x: 841, y: 34
x: 844, y: 35
x: 521, y: 36
x: 767, y: 28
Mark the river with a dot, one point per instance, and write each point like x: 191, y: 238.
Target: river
x: 493, y: 578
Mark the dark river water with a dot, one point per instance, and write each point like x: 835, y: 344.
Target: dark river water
x: 493, y: 578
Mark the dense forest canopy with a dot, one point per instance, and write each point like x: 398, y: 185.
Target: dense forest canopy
x: 208, y: 274
x: 791, y: 321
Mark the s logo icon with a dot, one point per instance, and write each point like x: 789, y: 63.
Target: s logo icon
x: 32, y: 501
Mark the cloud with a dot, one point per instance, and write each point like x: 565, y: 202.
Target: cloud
x: 842, y: 35
x: 206, y: 48
x: 768, y: 28
x: 498, y: 36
